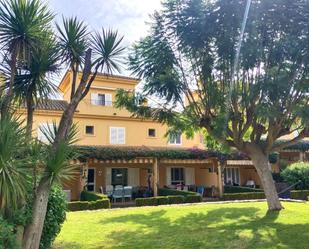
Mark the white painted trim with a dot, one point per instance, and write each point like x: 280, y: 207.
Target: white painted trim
x: 117, y: 127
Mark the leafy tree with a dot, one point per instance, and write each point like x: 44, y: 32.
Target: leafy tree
x: 22, y: 26
x: 248, y: 102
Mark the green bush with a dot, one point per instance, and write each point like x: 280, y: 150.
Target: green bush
x: 300, y: 194
x: 7, y: 234
x: 297, y: 172
x: 77, y: 205
x: 243, y: 196
x: 151, y: 201
x: 55, y: 216
x: 167, y: 191
x: 162, y: 200
x: 236, y: 189
x: 91, y: 196
x: 175, y: 199
x: 193, y: 198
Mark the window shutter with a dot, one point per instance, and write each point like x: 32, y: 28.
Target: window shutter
x: 121, y: 136
x: 94, y: 98
x: 108, y: 99
x: 133, y: 177
x: 113, y: 135
x: 108, y: 176
x: 189, y: 176
x: 168, y: 176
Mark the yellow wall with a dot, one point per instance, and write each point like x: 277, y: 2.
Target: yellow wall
x: 104, y: 117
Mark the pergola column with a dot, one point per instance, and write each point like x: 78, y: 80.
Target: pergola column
x: 220, y: 183
x: 155, y: 176
x: 302, y: 156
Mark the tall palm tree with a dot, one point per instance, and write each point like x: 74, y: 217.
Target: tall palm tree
x: 34, y: 82
x: 73, y: 39
x: 22, y: 25
x: 107, y: 52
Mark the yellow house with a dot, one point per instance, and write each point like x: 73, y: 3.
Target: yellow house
x: 101, y: 126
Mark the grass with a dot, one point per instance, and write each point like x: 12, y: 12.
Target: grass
x: 237, y: 225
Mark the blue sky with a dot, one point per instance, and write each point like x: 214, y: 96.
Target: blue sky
x: 127, y: 16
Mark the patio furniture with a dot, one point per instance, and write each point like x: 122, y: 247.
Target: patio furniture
x: 179, y: 187
x: 118, y: 186
x: 201, y: 190
x: 118, y: 194
x: 109, y: 190
x: 127, y: 192
x: 185, y: 188
x: 250, y: 184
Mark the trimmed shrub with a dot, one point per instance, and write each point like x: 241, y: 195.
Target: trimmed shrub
x: 236, y: 189
x: 7, y: 235
x: 55, y: 216
x: 243, y: 196
x: 92, y: 196
x: 162, y: 200
x: 167, y: 191
x: 77, y: 205
x: 193, y: 198
x: 300, y: 194
x: 297, y: 172
x: 152, y: 201
x: 175, y: 199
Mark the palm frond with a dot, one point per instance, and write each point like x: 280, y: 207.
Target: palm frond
x: 108, y: 51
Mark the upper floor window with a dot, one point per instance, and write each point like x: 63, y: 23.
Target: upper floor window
x: 151, y: 132
x: 117, y: 135
x: 175, y: 139
x: 45, y: 131
x: 101, y: 99
x: 89, y: 130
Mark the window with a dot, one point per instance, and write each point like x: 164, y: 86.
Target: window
x: 101, y: 99
x: 117, y: 135
x: 177, y: 176
x: 91, y: 180
x: 175, y: 139
x: 89, y: 130
x: 119, y: 176
x: 43, y: 130
x: 151, y: 132
x: 231, y: 176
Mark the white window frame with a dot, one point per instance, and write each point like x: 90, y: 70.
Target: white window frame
x: 174, y: 142
x: 40, y: 135
x: 108, y: 99
x: 94, y: 180
x: 184, y: 176
x: 117, y: 135
x: 226, y: 177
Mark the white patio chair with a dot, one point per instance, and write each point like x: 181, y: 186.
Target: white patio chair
x: 109, y: 190
x: 127, y: 192
x: 185, y: 188
x: 118, y: 186
x: 118, y: 194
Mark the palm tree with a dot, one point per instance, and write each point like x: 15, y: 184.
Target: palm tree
x: 22, y: 25
x: 107, y: 57
x: 34, y: 81
x: 73, y: 43
x: 14, y: 172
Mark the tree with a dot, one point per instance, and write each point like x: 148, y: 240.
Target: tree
x: 107, y: 51
x: 247, y: 102
x: 22, y: 26
x: 33, y: 82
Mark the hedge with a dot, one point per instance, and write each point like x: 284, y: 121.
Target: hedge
x: 164, y: 200
x: 243, y: 196
x: 90, y: 201
x: 237, y: 189
x: 167, y: 191
x: 297, y: 173
x: 300, y: 194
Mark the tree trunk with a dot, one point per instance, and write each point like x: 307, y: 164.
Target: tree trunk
x: 261, y: 163
x: 33, y: 231
x: 29, y: 101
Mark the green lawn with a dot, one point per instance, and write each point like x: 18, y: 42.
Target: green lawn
x: 239, y: 225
